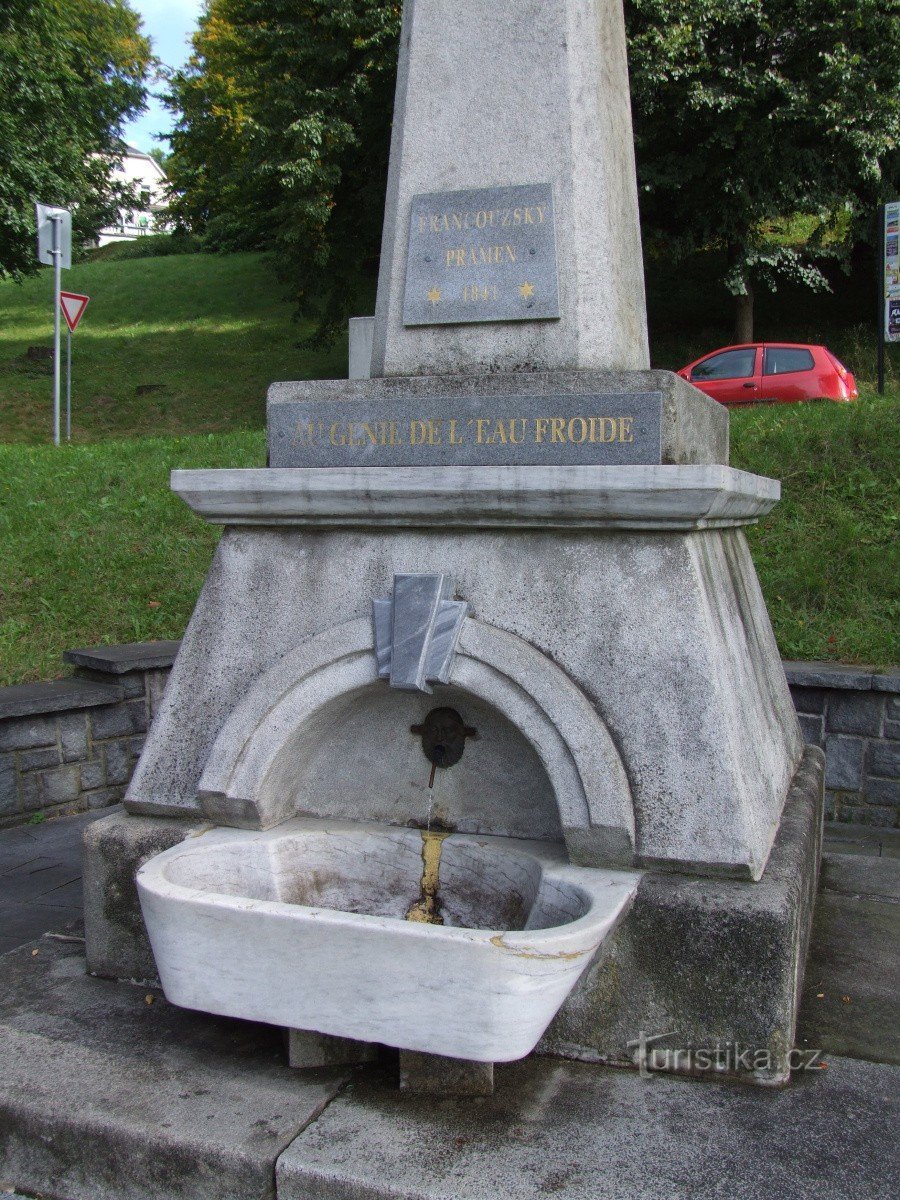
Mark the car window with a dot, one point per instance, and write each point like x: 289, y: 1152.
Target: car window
x: 730, y: 364
x: 780, y: 359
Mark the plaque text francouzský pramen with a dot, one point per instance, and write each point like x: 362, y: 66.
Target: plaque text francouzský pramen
x: 482, y: 255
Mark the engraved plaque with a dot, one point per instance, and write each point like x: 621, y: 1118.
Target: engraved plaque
x: 616, y: 429
x: 485, y: 255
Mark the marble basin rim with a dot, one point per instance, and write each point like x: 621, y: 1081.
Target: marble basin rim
x: 304, y: 926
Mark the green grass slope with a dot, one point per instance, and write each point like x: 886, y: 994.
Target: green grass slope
x: 828, y: 555
x: 95, y: 548
x: 200, y: 335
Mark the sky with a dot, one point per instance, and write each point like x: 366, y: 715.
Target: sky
x: 169, y: 24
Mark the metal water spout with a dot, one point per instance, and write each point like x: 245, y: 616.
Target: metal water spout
x: 443, y: 734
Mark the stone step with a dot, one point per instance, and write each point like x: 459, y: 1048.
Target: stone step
x: 585, y: 1132
x: 110, y: 1093
x: 868, y: 840
x: 108, y: 1097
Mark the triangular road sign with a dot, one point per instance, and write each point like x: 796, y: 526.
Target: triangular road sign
x: 73, y: 307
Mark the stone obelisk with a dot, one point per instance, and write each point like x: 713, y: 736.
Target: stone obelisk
x: 502, y: 104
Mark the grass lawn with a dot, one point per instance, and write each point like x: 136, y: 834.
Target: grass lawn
x: 94, y: 548
x: 827, y: 555
x: 97, y: 549
x: 201, y: 335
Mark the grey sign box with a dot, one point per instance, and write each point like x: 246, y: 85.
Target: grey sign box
x: 45, y: 215
x: 482, y: 255
x: 551, y: 430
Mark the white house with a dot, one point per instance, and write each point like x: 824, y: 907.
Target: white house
x: 148, y: 179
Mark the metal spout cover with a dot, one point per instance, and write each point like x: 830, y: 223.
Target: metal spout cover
x: 416, y: 631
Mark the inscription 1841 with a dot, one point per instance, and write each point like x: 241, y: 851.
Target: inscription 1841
x: 485, y: 255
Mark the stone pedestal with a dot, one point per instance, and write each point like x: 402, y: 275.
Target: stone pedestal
x: 113, y: 848
x: 311, y: 1051
x: 618, y: 642
x: 432, y: 1075
x: 704, y: 976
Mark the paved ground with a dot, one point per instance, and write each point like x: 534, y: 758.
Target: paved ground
x: 40, y: 878
x: 862, y: 839
x: 851, y: 985
x: 177, y: 1105
x: 109, y: 1093
x: 108, y: 1097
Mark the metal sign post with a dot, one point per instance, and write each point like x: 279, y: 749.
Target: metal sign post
x: 54, y: 228
x: 57, y: 288
x: 72, y: 306
x: 68, y: 385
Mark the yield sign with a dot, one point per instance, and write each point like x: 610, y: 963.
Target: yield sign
x: 73, y: 307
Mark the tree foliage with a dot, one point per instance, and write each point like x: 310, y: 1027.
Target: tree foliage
x: 283, y: 134
x: 748, y: 114
x: 751, y: 113
x: 71, y: 72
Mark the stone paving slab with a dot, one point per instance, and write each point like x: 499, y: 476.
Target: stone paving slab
x: 107, y: 1097
x: 40, y: 878
x: 851, y: 991
x: 866, y: 840
x: 593, y: 1133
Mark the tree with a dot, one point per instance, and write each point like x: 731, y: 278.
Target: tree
x: 71, y: 73
x: 763, y: 127
x: 159, y: 156
x: 282, y: 138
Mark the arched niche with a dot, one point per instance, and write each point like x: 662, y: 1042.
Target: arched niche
x: 321, y: 734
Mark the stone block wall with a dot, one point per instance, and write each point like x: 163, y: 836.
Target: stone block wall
x: 854, y: 715
x: 71, y: 744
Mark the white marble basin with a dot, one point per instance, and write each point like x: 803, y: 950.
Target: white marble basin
x: 308, y: 926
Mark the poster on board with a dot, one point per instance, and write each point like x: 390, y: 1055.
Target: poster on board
x: 891, y: 245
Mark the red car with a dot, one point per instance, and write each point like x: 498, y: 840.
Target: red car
x: 771, y: 372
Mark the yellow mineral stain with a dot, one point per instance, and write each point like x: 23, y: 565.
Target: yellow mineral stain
x: 498, y: 941
x: 425, y: 908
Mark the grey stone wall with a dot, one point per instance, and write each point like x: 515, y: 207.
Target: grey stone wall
x: 71, y: 744
x: 854, y: 715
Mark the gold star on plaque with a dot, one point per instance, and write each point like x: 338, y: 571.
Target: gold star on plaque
x: 435, y: 295
x: 526, y: 291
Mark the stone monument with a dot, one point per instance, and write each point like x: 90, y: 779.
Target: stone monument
x: 512, y: 136
x: 517, y: 523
